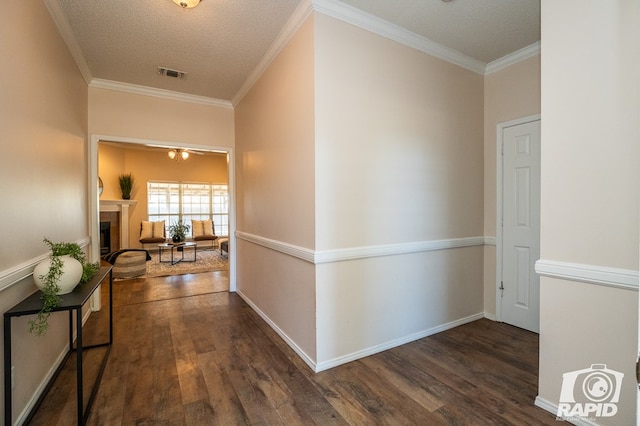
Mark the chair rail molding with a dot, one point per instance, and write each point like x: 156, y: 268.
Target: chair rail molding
x: 353, y: 253
x: 591, y: 274
x: 17, y: 273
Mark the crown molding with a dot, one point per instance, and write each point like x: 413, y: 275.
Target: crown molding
x: 70, y: 40
x: 394, y: 32
x: 158, y: 93
x: 292, y: 26
x: 362, y: 20
x: 513, y: 58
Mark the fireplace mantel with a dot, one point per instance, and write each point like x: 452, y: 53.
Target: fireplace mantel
x: 115, y: 205
x: 121, y: 206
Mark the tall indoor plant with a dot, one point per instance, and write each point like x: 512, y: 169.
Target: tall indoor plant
x: 65, y: 268
x: 126, y: 181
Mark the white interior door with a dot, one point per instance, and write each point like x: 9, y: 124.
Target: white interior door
x: 520, y: 285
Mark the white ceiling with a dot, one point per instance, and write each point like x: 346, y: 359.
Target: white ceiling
x: 221, y: 43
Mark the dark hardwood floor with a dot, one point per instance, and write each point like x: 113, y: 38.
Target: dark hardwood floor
x: 186, y: 353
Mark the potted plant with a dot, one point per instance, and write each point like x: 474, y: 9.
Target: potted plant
x: 66, y: 267
x: 126, y: 185
x: 178, y: 231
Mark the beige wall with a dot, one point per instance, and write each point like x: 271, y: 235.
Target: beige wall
x: 43, y: 125
x: 148, y: 166
x: 111, y: 164
x: 389, y: 140
x: 509, y: 94
x: 128, y: 115
x: 398, y: 162
x: 337, y: 153
x: 275, y: 190
x: 275, y: 150
x: 124, y: 116
x: 398, y: 142
x: 590, y: 174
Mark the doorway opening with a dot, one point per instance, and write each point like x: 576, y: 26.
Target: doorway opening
x: 164, y: 146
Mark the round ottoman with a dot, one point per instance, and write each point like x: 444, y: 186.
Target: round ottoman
x: 130, y: 264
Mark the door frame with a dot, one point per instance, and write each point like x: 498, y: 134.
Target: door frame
x: 500, y: 127
x: 94, y: 214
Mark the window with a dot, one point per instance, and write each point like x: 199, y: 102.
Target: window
x: 174, y: 201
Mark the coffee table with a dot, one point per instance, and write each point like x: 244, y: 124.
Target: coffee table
x: 179, y: 248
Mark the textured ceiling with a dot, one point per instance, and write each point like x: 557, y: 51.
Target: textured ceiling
x: 485, y: 30
x: 220, y: 42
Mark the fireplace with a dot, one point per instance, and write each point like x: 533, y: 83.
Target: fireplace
x: 116, y: 212
x: 105, y: 238
x: 109, y: 232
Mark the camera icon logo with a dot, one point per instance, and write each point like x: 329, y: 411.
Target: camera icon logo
x: 590, y: 392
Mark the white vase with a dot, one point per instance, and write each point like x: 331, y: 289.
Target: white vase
x: 71, y: 274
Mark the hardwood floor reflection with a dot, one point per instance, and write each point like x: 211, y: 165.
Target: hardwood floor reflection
x: 184, y: 354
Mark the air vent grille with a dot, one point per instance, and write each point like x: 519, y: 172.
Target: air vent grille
x: 168, y: 72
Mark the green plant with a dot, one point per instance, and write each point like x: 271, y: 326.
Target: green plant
x: 50, y: 297
x: 126, y: 185
x: 179, y: 230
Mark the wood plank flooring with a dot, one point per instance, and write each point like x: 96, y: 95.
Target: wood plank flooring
x: 186, y: 353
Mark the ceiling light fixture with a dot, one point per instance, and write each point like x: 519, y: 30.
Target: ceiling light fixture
x: 178, y: 154
x: 187, y: 4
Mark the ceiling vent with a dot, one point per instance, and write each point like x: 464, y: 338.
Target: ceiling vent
x: 168, y: 72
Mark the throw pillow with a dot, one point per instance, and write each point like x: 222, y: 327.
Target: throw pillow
x: 158, y: 229
x: 196, y: 228
x: 152, y: 229
x: 207, y: 228
x: 146, y: 230
x: 202, y: 228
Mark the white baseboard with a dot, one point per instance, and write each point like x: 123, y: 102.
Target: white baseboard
x: 490, y: 316
x: 553, y: 409
x: 318, y: 367
x: 22, y: 417
x: 302, y: 354
x: 325, y: 365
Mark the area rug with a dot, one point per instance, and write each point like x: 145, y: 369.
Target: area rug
x: 206, y: 261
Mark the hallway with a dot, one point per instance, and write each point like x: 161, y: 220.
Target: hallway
x: 184, y: 354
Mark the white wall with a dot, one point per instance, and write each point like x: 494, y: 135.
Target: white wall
x: 590, y: 175
x: 43, y: 125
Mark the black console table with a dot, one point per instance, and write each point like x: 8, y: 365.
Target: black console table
x: 71, y: 302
